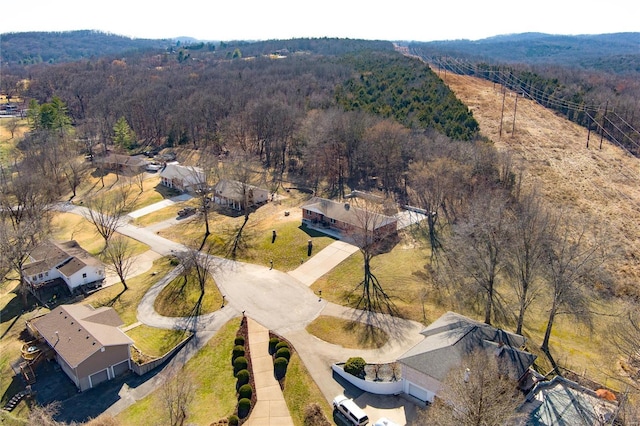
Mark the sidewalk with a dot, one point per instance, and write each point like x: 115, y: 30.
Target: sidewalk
x: 324, y: 261
x: 270, y: 409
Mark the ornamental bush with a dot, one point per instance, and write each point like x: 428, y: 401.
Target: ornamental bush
x: 240, y: 363
x: 245, y: 391
x: 237, y: 351
x: 233, y: 420
x: 243, y: 378
x: 272, y: 345
x: 283, y: 353
x: 355, y: 366
x: 244, y: 406
x: 280, y: 367
x: 282, y: 344
x: 239, y: 341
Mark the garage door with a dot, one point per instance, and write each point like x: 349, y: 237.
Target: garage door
x: 420, y: 393
x: 99, y: 377
x: 121, y: 368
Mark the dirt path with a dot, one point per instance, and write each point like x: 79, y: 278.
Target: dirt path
x: 602, y: 183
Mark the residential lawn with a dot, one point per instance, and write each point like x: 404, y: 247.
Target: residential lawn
x: 287, y: 252
x: 300, y: 390
x: 155, y: 342
x: 401, y: 274
x: 346, y: 333
x: 7, y: 144
x: 211, y: 373
x: 70, y: 226
x: 179, y: 299
x: 126, y: 303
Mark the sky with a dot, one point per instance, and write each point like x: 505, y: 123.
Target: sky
x: 418, y: 20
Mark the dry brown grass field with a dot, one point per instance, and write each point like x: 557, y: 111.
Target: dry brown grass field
x: 601, y: 183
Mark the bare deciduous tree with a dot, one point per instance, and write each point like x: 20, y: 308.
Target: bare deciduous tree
x: 574, y: 259
x: 177, y: 395
x: 477, y: 247
x: 118, y: 255
x: 525, y: 259
x: 371, y: 232
x: 106, y: 212
x: 479, y: 392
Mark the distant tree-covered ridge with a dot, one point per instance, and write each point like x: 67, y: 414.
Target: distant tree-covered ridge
x: 405, y: 89
x: 66, y: 46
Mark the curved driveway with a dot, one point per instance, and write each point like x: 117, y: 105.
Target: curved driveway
x: 275, y: 299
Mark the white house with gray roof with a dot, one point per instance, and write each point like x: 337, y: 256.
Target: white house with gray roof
x: 66, y: 261
x: 447, y: 341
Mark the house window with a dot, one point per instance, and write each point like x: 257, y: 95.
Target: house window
x: 84, y: 275
x: 39, y: 275
x: 46, y: 274
x: 332, y: 221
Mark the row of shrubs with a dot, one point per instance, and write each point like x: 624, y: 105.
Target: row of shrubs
x: 243, y: 378
x: 281, y: 353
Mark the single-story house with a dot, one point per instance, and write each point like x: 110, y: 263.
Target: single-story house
x: 121, y: 163
x: 447, y: 341
x: 89, y: 345
x: 67, y: 261
x: 560, y: 401
x: 183, y: 178
x: 238, y: 195
x: 344, y: 218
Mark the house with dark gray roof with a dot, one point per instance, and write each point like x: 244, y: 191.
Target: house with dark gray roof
x: 448, y: 340
x: 89, y: 345
x: 53, y: 262
x: 238, y: 195
x: 562, y: 402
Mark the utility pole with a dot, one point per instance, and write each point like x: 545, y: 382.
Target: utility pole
x: 604, y: 116
x: 504, y: 95
x: 588, y: 131
x: 515, y: 108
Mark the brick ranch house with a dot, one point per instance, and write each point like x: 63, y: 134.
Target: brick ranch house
x: 345, y: 218
x: 88, y: 343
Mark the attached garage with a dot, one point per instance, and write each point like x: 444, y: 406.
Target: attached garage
x: 99, y: 377
x: 420, y: 393
x: 121, y: 368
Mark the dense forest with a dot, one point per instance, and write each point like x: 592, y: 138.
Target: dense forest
x: 591, y: 80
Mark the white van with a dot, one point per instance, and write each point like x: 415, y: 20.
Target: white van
x: 350, y: 410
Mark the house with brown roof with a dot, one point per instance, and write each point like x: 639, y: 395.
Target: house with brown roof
x: 344, y: 218
x: 182, y: 178
x: 121, y: 163
x: 238, y: 195
x: 448, y: 340
x: 89, y: 345
x: 65, y: 261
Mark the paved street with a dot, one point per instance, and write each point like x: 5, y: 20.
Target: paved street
x: 281, y: 302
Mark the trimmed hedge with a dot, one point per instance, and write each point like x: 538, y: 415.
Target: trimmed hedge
x: 355, y: 366
x: 239, y: 341
x: 233, y: 420
x: 272, y: 345
x: 280, y: 367
x: 243, y: 378
x: 245, y: 391
x: 244, y: 406
x: 282, y: 344
x: 239, y: 363
x: 283, y: 353
x: 237, y: 351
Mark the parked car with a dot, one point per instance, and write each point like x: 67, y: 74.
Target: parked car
x: 153, y: 167
x: 186, y: 211
x: 383, y: 421
x: 354, y: 414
